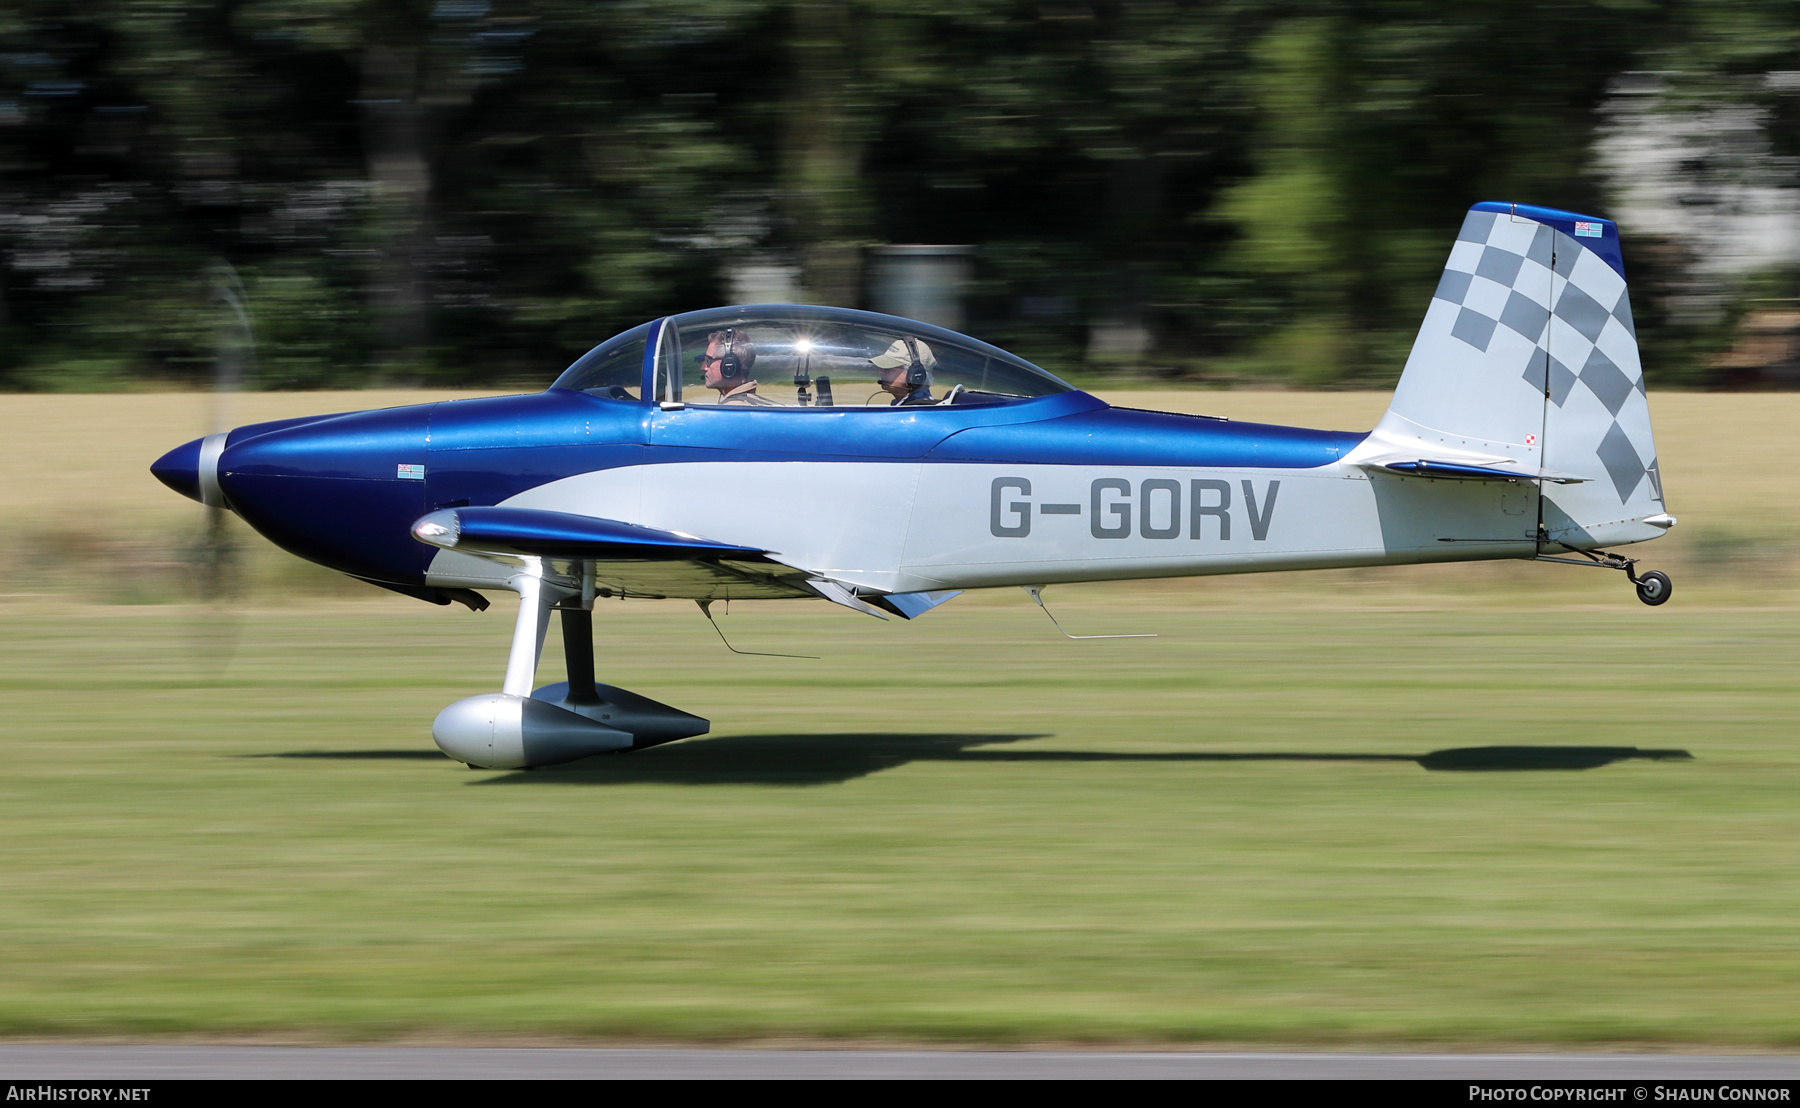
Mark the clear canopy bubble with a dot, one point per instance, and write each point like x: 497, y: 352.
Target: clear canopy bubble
x: 789, y: 356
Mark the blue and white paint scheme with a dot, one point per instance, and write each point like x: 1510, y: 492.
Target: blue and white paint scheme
x: 783, y: 451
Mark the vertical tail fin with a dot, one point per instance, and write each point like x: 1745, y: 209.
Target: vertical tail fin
x: 1528, y: 358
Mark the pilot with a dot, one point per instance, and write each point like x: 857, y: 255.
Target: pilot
x: 904, y: 371
x: 726, y: 365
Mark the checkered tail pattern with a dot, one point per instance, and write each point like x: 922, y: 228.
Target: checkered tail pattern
x: 1528, y: 352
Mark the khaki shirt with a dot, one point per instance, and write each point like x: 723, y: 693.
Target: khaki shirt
x: 746, y: 394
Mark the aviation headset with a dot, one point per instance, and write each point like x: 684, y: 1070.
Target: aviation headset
x: 731, y: 367
x: 916, y: 373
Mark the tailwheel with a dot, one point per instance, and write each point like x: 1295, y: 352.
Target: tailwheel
x: 1653, y: 587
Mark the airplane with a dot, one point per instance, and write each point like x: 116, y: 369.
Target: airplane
x: 784, y: 451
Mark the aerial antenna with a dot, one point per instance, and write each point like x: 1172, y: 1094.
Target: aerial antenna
x: 706, y: 610
x: 1037, y: 591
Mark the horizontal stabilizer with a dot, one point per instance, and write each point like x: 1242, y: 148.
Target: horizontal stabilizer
x: 1463, y: 471
x: 534, y: 532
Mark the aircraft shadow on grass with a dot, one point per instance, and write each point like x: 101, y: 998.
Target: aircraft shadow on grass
x: 828, y: 759
x: 360, y: 755
x: 833, y: 758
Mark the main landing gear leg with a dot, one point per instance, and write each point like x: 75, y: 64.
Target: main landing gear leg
x: 518, y: 728
x: 1653, y: 586
x: 578, y: 655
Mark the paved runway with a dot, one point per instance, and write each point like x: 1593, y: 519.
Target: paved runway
x: 49, y: 1062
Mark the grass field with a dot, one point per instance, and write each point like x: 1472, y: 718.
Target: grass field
x: 1282, y: 822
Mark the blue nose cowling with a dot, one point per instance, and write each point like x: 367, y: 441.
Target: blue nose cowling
x: 342, y: 492
x: 180, y: 469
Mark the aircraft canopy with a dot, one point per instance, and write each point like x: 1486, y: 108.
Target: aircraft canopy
x: 788, y: 356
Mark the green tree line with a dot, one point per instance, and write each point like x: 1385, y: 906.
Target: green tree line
x: 475, y: 191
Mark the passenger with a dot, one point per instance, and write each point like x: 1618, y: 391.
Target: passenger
x: 726, y: 365
x: 904, y: 370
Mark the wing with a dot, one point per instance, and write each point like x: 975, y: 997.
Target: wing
x: 532, y: 531
x: 628, y: 559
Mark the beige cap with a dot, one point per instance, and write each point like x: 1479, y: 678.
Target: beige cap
x: 897, y: 357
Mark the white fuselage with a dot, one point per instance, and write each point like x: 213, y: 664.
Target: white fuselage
x: 914, y: 526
